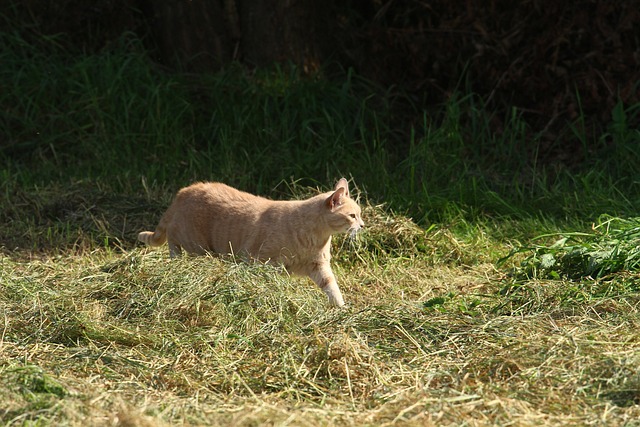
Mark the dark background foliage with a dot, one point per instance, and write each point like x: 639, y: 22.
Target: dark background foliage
x: 550, y: 62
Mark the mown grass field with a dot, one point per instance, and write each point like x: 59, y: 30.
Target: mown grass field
x: 487, y: 288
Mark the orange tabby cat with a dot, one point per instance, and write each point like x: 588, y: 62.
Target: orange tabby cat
x: 213, y: 217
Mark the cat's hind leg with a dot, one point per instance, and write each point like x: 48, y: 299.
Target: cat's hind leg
x: 174, y: 250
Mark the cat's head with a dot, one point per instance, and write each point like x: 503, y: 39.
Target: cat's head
x: 343, y: 213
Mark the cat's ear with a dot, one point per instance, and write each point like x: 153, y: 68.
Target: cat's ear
x: 335, y: 200
x: 343, y: 184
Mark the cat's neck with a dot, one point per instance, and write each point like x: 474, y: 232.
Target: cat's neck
x: 311, y: 220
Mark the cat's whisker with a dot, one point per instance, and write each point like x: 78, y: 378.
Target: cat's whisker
x: 353, y: 232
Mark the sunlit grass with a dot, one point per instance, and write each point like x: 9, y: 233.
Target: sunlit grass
x: 433, y: 333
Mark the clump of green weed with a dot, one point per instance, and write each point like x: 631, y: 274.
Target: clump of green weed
x: 611, y: 246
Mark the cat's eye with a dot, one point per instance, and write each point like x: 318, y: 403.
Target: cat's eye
x: 352, y: 216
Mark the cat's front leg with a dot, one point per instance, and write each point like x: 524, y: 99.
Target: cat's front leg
x: 323, y: 276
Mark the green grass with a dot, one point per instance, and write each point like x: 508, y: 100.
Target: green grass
x: 455, y: 317
x: 612, y: 246
x: 115, y: 118
x: 434, y: 333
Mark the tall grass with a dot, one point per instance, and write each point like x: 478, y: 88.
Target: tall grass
x: 117, y: 118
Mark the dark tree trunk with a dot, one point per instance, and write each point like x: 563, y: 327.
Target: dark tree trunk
x: 284, y: 30
x: 203, y: 35
x: 194, y: 34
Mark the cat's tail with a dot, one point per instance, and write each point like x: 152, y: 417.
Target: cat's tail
x: 158, y: 237
x: 152, y: 238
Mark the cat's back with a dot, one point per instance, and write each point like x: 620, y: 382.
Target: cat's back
x: 213, y: 192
